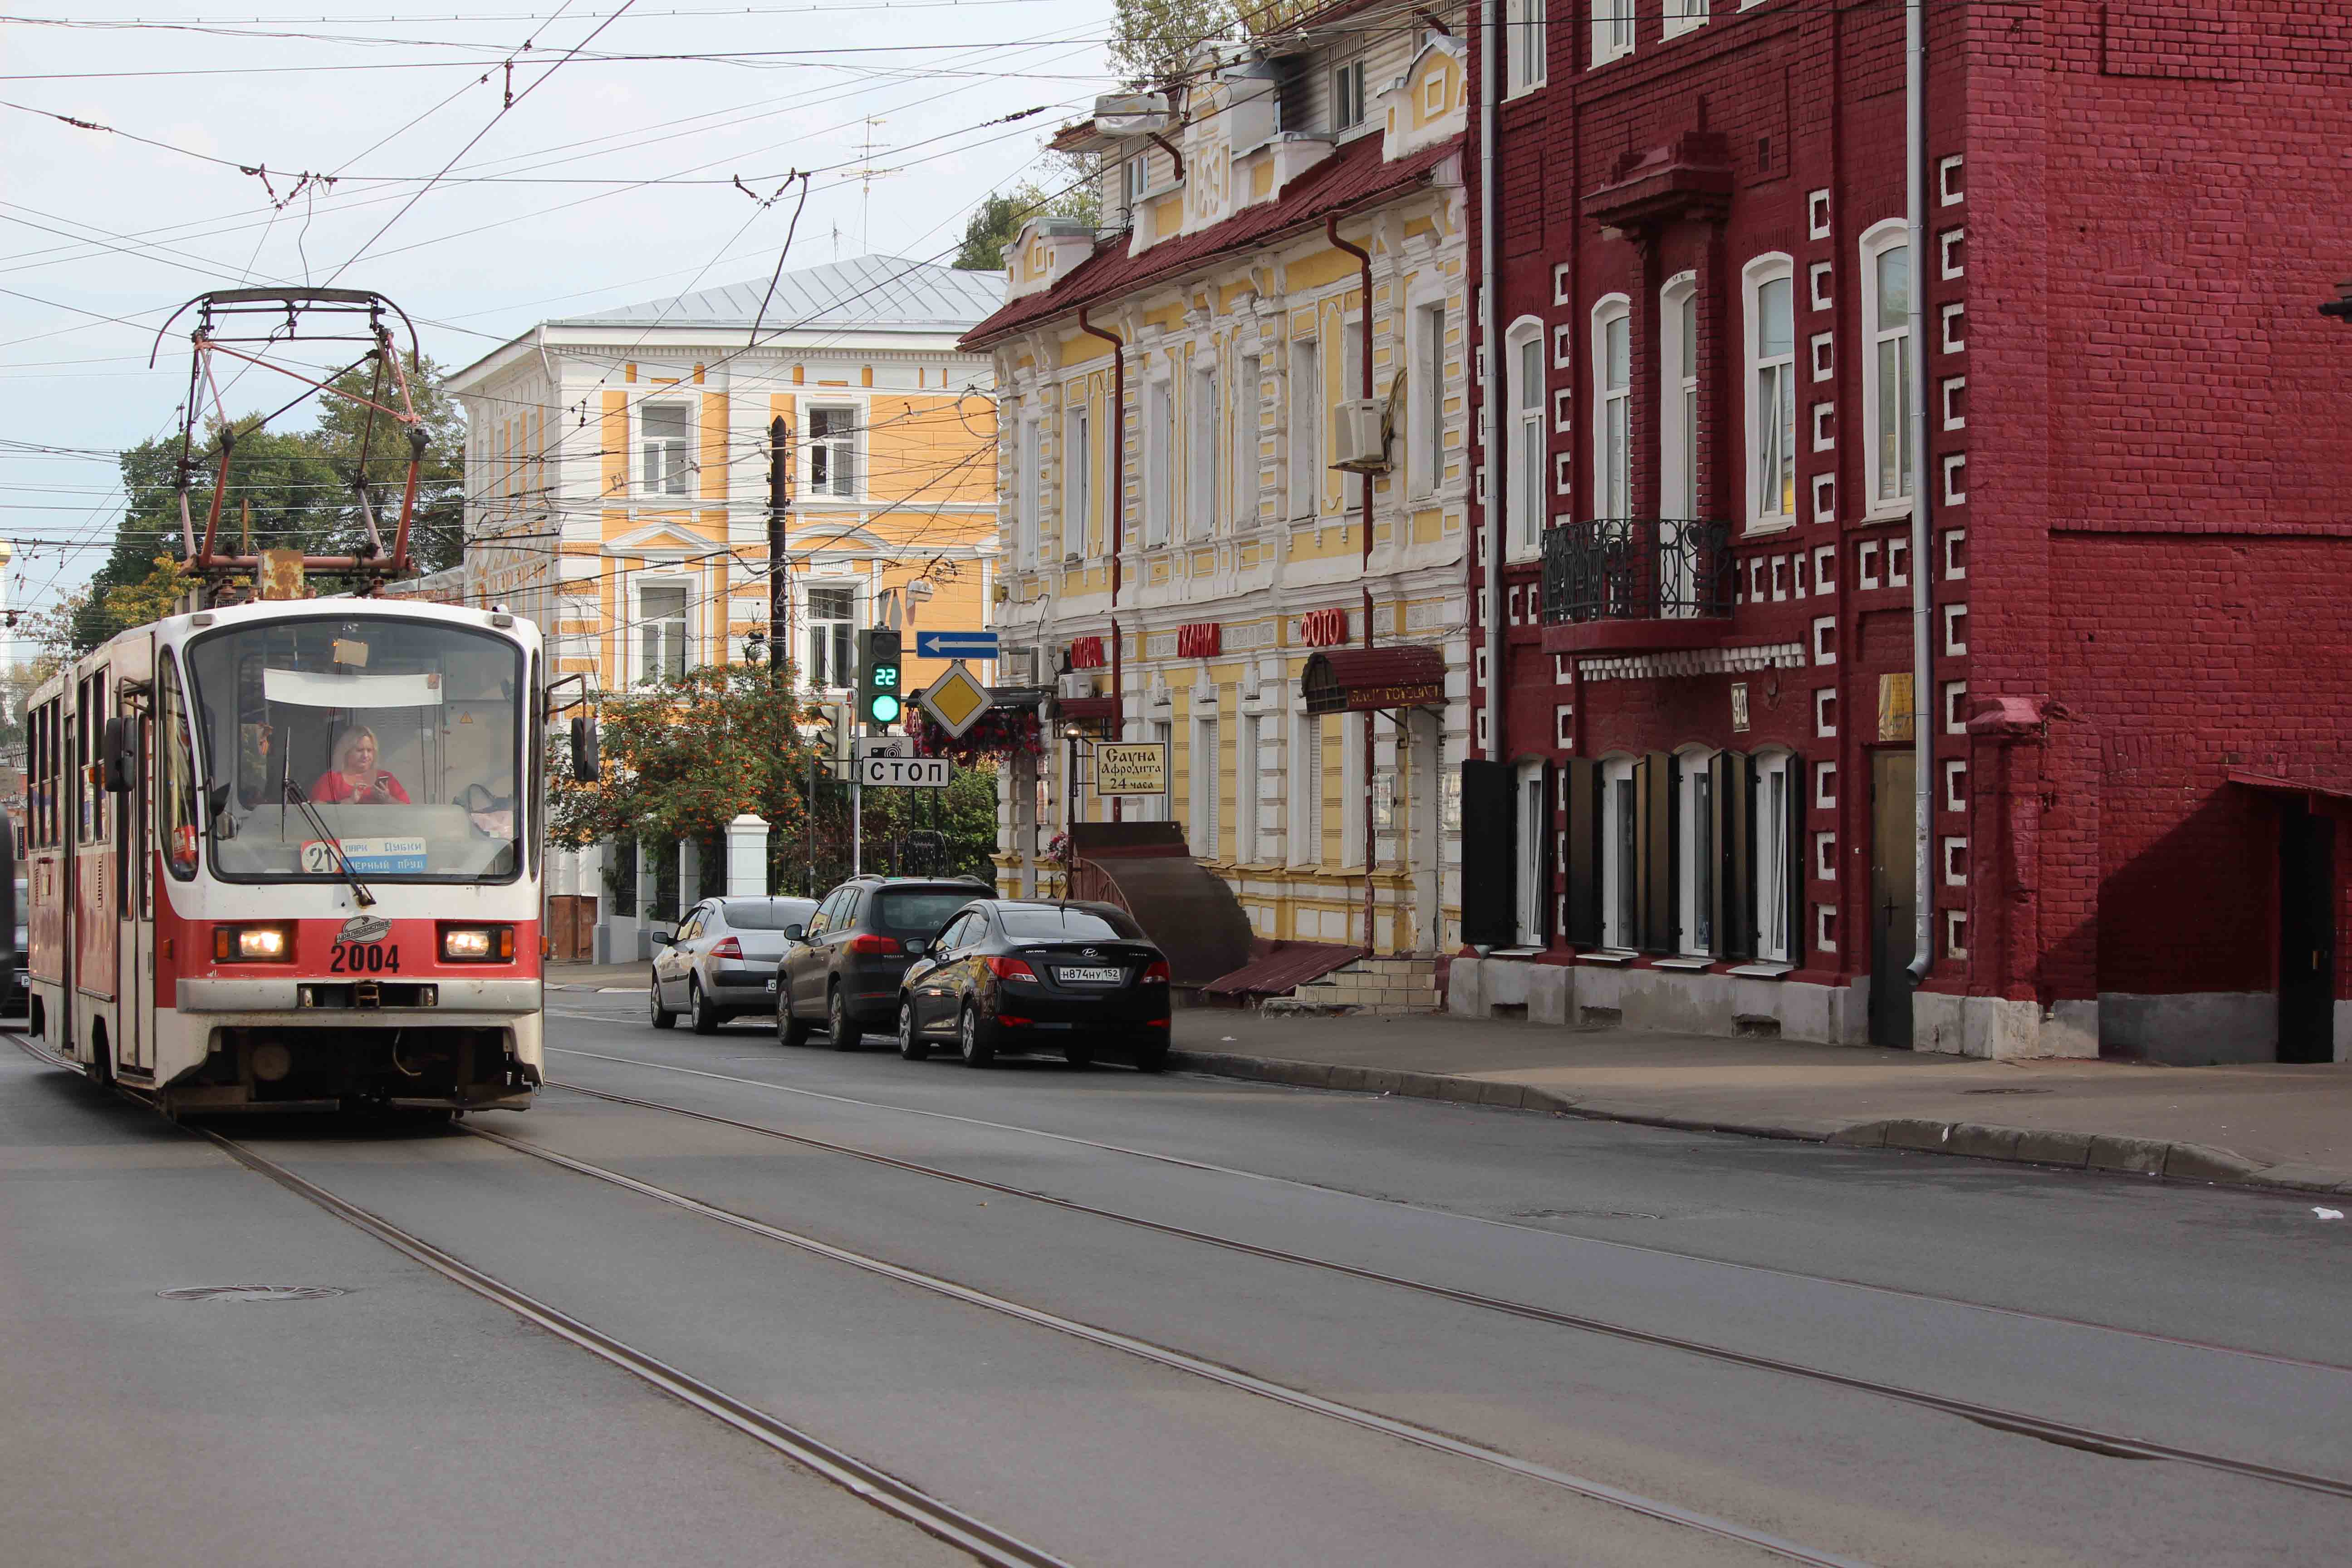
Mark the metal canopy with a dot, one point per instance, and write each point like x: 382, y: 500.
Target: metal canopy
x: 1367, y: 680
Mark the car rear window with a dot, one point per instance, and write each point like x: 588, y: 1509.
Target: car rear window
x: 765, y: 915
x: 1065, y: 925
x: 917, y: 911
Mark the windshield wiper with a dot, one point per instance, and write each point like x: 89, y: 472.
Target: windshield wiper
x: 319, y: 824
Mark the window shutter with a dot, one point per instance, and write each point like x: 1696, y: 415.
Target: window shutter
x: 1580, y: 786
x: 1800, y: 860
x: 1735, y: 842
x: 1656, y: 777
x: 1489, y: 815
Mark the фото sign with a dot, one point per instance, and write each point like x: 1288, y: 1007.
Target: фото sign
x: 1131, y: 767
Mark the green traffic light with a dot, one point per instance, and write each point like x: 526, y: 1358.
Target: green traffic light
x: 884, y: 709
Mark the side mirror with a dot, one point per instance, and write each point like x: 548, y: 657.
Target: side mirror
x: 795, y: 932
x: 120, y: 749
x: 586, y: 767
x: 915, y: 948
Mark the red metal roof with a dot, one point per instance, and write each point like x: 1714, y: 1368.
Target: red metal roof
x: 1283, y: 966
x: 1353, y: 177
x: 1355, y: 679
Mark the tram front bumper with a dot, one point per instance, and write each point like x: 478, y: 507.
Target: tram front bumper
x: 397, y: 1002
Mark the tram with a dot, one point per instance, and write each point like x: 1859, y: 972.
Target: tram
x: 289, y: 853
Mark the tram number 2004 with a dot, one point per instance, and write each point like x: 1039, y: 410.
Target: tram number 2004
x: 373, y: 958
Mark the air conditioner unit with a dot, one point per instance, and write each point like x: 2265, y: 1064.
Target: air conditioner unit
x: 1360, y: 444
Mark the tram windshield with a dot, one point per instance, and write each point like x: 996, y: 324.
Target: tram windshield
x: 400, y: 738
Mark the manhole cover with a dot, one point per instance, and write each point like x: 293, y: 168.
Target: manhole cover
x: 251, y: 1292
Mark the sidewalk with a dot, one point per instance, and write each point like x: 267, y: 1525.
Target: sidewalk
x: 2266, y: 1125
x: 597, y: 976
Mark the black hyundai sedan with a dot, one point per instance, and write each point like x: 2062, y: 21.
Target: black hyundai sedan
x: 1014, y: 975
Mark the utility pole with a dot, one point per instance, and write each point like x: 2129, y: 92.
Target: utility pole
x: 780, y: 584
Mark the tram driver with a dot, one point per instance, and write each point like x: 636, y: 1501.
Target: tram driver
x: 354, y: 779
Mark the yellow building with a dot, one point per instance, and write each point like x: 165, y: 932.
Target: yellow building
x: 617, y: 478
x: 1179, y: 398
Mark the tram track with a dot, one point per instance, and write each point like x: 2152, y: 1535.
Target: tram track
x: 2063, y: 1434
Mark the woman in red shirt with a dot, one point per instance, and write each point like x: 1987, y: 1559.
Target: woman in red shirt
x: 353, y: 780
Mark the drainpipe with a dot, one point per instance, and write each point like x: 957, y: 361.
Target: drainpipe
x: 1923, y: 670
x: 1364, y: 267
x: 1117, y: 500
x: 1490, y: 56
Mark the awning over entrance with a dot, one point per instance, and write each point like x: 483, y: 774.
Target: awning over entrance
x: 2267, y: 783
x: 1086, y: 709
x: 1367, y: 680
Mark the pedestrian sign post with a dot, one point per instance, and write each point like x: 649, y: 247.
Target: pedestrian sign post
x: 956, y: 700
x: 955, y: 645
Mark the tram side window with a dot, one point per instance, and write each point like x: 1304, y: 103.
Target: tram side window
x: 179, y: 802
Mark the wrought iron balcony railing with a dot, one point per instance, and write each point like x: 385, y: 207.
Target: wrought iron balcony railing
x: 1637, y: 569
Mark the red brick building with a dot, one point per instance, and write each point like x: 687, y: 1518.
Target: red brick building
x: 2139, y: 489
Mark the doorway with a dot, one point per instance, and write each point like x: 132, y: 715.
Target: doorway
x: 2306, y: 982
x: 1893, y: 896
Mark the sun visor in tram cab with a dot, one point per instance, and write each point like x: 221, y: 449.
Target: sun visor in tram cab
x: 308, y: 688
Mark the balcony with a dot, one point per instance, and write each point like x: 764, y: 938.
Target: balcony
x: 1636, y: 584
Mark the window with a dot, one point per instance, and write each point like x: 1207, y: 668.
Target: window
x: 1348, y: 96
x: 1077, y: 478
x: 832, y: 629
x: 1306, y: 793
x: 1247, y: 770
x: 833, y: 451
x: 1534, y: 836
x: 661, y: 630
x: 1137, y: 178
x: 1678, y: 398
x: 1028, y: 544
x: 1245, y: 422
x: 1701, y: 857
x: 1158, y: 469
x: 1771, y: 393
x: 1306, y: 427
x: 1525, y: 49
x: 1526, y: 465
x: 1612, y: 30
x: 1775, y: 788
x: 178, y: 806
x: 1620, y: 856
x: 1203, y: 480
x: 1426, y: 387
x: 662, y: 428
x: 1887, y: 365
x: 1163, y: 735
x: 1613, y: 430
x: 1682, y: 16
x: 1206, y: 775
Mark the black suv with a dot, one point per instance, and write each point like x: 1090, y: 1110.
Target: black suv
x: 844, y: 968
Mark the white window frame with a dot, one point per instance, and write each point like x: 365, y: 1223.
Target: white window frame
x: 1683, y: 16
x: 1029, y: 542
x: 1613, y: 31
x: 1348, y: 105
x: 1772, y: 828
x: 1526, y: 47
x: 1077, y: 475
x: 1612, y: 413
x: 1352, y: 729
x: 1773, y: 268
x: 1678, y: 445
x: 665, y: 478
x: 1620, y: 822
x: 1532, y: 831
x: 1306, y: 392
x: 1204, y: 830
x: 1305, y: 770
x: 1248, y: 771
x: 1248, y: 481
x: 847, y: 448
x: 843, y: 648
x: 641, y: 624
x: 1700, y: 855
x: 1876, y: 240
x: 1527, y: 480
x: 1159, y: 459
x: 1202, y: 452
x: 1425, y: 393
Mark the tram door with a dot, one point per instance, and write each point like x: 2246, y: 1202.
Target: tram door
x: 132, y: 863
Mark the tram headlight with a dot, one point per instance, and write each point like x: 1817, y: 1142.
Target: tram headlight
x: 253, y: 945
x: 476, y: 945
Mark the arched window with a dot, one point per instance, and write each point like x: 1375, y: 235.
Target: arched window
x: 1620, y: 856
x: 1526, y: 460
x: 1678, y: 396
x: 1776, y: 778
x: 1767, y: 293
x: 1612, y: 406
x: 1698, y: 844
x: 1887, y: 280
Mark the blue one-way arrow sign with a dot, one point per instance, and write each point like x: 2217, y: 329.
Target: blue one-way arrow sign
x: 955, y: 645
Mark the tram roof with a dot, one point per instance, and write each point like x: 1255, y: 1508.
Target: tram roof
x: 260, y: 612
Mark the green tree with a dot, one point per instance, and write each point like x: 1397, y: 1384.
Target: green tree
x: 965, y: 811
x: 345, y: 428
x: 1067, y: 190
x: 1152, y: 41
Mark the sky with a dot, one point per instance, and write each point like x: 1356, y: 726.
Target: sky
x: 608, y: 178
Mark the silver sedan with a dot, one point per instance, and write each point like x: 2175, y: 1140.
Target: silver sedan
x: 721, y: 961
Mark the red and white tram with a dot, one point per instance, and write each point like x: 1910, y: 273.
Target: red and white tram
x: 289, y: 853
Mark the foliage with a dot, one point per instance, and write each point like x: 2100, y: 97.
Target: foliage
x: 1066, y: 189
x: 296, y: 485
x: 965, y: 812
x: 999, y: 732
x: 687, y: 756
x: 1153, y: 40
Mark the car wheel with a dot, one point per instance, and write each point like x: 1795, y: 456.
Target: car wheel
x: 846, y: 1035
x: 1150, y: 1056
x: 975, y: 1038
x: 912, y: 1044
x: 663, y: 1016
x: 790, y: 1031
x: 1079, y: 1054
x: 706, y: 1014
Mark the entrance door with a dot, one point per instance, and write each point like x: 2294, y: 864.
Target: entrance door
x: 2307, y: 986
x: 1893, y: 896
x: 1422, y: 737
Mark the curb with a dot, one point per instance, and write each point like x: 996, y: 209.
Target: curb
x: 1973, y: 1140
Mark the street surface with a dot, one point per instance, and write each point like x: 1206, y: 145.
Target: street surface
x: 1122, y: 1319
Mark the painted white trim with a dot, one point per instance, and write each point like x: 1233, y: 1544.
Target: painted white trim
x: 1678, y: 398
x: 1524, y: 506
x: 1613, y: 31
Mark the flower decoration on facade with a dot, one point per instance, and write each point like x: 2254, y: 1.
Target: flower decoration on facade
x: 999, y: 732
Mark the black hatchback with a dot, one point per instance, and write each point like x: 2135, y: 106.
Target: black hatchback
x: 844, y: 966
x: 1013, y: 975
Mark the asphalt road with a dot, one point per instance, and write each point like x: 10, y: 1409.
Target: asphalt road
x: 1137, y: 1320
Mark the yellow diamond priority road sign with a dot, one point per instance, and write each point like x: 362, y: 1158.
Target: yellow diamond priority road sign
x: 956, y: 700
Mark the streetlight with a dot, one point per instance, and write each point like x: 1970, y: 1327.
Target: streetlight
x: 2340, y: 307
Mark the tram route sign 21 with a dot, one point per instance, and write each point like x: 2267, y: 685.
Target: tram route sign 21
x: 914, y: 772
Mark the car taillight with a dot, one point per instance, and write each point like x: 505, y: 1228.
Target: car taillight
x: 728, y: 947
x: 1005, y: 968
x: 1154, y: 974
x: 872, y: 944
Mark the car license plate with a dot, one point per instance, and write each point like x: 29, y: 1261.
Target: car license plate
x: 1093, y: 975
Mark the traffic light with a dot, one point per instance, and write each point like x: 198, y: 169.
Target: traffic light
x: 880, y: 692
